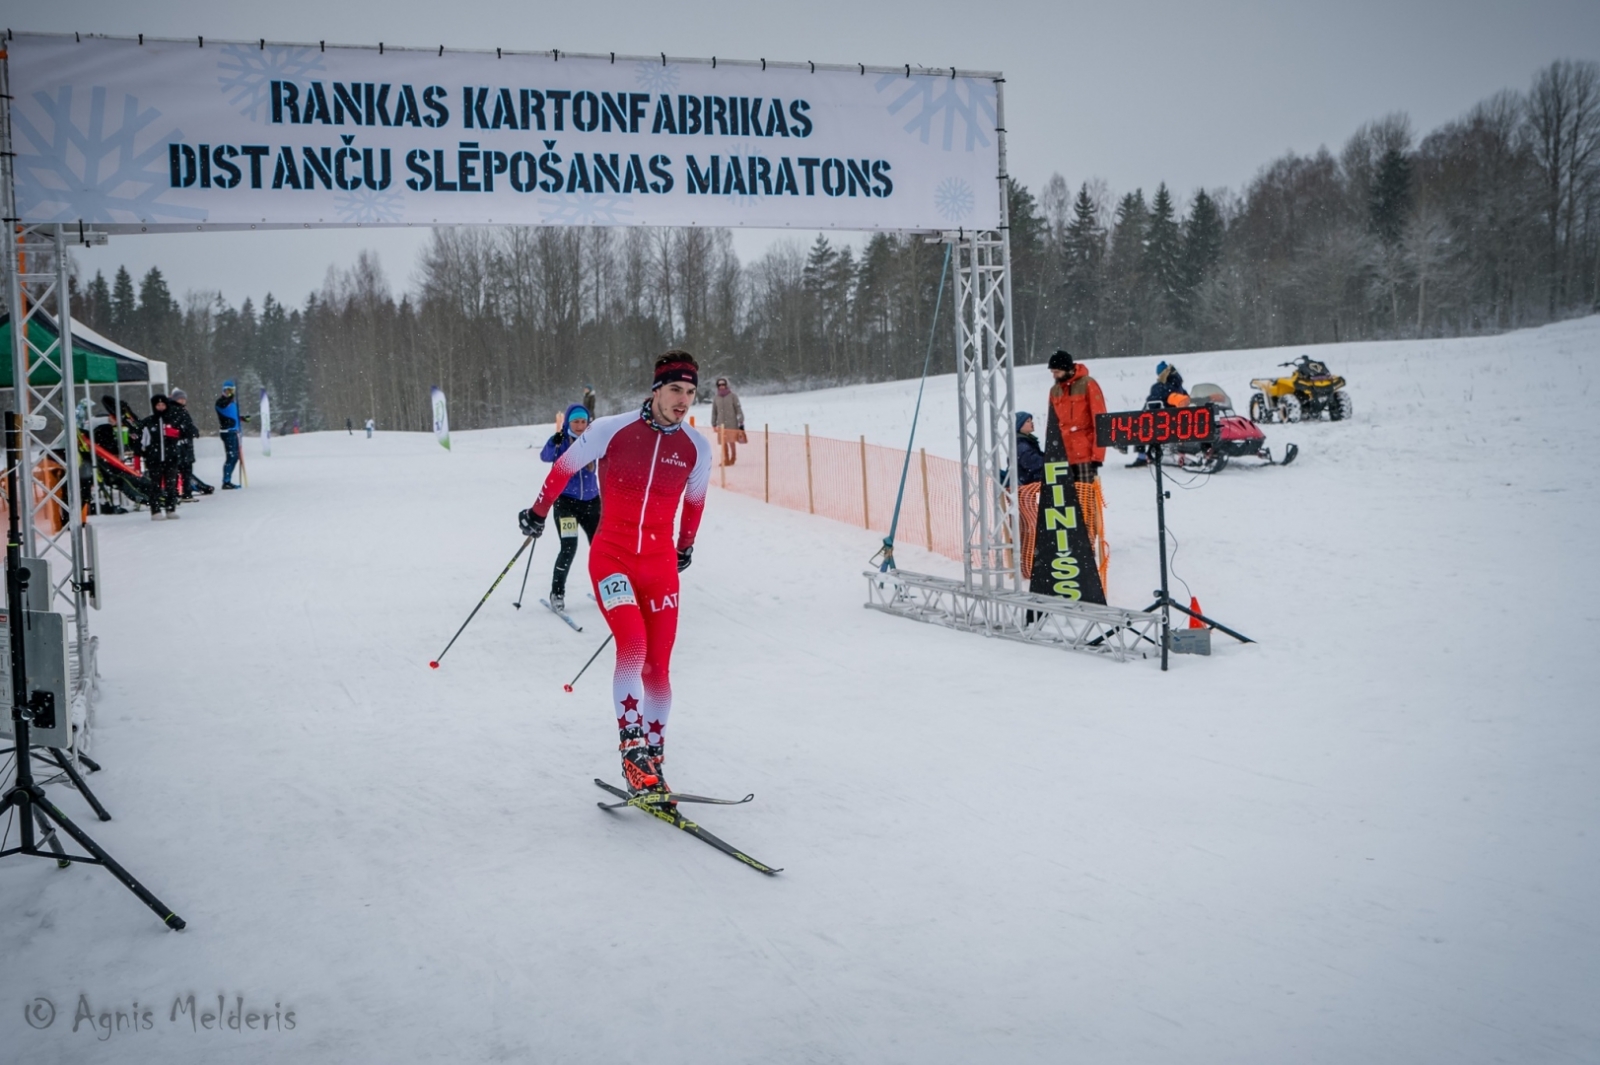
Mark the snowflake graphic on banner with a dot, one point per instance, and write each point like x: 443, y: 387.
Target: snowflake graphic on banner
x: 945, y: 102
x: 91, y: 166
x: 656, y: 77
x: 369, y: 205
x: 248, y: 73
x: 585, y: 209
x: 953, y: 199
x: 743, y: 151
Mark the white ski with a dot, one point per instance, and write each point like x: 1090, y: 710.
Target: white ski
x: 561, y: 614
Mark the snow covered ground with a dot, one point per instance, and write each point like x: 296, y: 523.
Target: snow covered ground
x: 1368, y: 838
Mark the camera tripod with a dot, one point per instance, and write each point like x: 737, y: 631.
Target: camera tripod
x: 28, y: 708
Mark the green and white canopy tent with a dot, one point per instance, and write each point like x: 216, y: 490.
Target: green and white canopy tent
x: 96, y: 361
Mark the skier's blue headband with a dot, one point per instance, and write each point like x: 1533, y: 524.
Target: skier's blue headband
x: 577, y: 413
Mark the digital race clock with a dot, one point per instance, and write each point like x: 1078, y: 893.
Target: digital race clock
x: 1169, y: 425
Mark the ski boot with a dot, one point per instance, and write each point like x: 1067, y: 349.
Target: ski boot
x: 558, y: 603
x: 658, y: 758
x: 638, y: 768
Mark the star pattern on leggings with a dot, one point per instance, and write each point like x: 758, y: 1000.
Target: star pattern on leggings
x: 655, y: 730
x: 630, y: 704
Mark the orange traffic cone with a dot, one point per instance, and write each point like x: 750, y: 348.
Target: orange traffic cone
x: 1196, y: 623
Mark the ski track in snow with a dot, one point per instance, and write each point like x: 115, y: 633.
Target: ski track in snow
x: 1370, y: 837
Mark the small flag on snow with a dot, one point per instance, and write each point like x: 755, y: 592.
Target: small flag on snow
x: 441, y: 419
x: 266, y: 424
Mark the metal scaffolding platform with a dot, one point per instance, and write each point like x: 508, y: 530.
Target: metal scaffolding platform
x: 1022, y: 616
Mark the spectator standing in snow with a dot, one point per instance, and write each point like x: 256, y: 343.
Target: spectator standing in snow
x: 1030, y: 476
x: 727, y: 418
x: 229, y: 420
x: 188, y: 432
x: 369, y: 428
x: 1075, y: 399
x: 590, y: 402
x: 578, y: 506
x: 158, y: 437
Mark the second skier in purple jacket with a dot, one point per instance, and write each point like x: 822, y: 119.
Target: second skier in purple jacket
x: 578, y: 506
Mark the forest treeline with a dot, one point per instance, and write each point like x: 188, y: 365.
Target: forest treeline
x: 1490, y: 222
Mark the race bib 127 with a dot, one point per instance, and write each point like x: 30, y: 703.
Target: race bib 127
x: 616, y: 590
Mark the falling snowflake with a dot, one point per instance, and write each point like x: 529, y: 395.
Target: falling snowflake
x: 944, y: 101
x: 953, y: 199
x: 656, y: 77
x: 369, y: 205
x: 248, y: 73
x: 121, y: 172
x: 585, y: 209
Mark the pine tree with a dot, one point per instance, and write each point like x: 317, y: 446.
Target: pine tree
x: 1163, y: 258
x: 1083, y: 250
x: 1127, y: 287
x: 96, y: 311
x: 123, y: 306
x: 1202, y: 250
x: 154, y: 327
x: 1031, y: 284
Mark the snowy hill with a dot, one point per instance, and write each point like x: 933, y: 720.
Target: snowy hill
x: 1370, y: 837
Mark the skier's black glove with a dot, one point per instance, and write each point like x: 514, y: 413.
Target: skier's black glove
x: 531, y: 524
x: 685, y: 556
x: 555, y: 439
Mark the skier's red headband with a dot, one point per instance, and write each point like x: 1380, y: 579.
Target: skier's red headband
x: 676, y: 371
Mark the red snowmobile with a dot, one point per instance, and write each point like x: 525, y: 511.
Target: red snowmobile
x: 1241, y: 438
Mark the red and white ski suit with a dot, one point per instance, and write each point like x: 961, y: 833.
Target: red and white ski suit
x: 633, y: 560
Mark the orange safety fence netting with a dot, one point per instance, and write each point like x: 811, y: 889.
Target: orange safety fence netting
x: 48, y: 475
x: 849, y: 481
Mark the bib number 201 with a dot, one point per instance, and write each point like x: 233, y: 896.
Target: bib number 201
x: 616, y: 590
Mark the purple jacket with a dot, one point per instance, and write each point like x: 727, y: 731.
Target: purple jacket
x: 585, y: 484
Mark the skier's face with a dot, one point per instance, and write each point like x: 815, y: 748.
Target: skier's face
x: 671, y: 402
x: 577, y: 425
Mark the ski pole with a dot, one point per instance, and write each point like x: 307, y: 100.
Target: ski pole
x: 435, y: 663
x: 586, y: 665
x: 518, y: 603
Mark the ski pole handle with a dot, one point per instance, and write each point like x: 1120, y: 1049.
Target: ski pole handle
x: 435, y: 663
x: 586, y: 665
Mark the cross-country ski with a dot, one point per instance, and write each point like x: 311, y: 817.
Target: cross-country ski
x: 562, y: 614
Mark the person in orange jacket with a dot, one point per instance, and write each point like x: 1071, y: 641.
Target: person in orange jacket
x: 1075, y: 398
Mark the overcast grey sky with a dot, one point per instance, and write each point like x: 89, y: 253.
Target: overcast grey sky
x: 1135, y: 92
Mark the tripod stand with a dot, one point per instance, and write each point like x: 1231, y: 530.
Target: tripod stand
x: 39, y: 707
x: 1164, y: 600
x: 62, y: 760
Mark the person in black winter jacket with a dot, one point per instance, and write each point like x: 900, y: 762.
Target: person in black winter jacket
x: 159, y: 438
x: 188, y: 431
x: 1168, y: 383
x: 1030, y: 458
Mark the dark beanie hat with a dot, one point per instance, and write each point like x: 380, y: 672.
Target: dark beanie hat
x: 676, y: 365
x: 1062, y: 360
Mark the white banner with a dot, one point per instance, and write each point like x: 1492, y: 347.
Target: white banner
x: 206, y: 134
x: 441, y: 418
x: 266, y: 424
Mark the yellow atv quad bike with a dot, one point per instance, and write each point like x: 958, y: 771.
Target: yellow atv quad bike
x: 1310, y: 391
